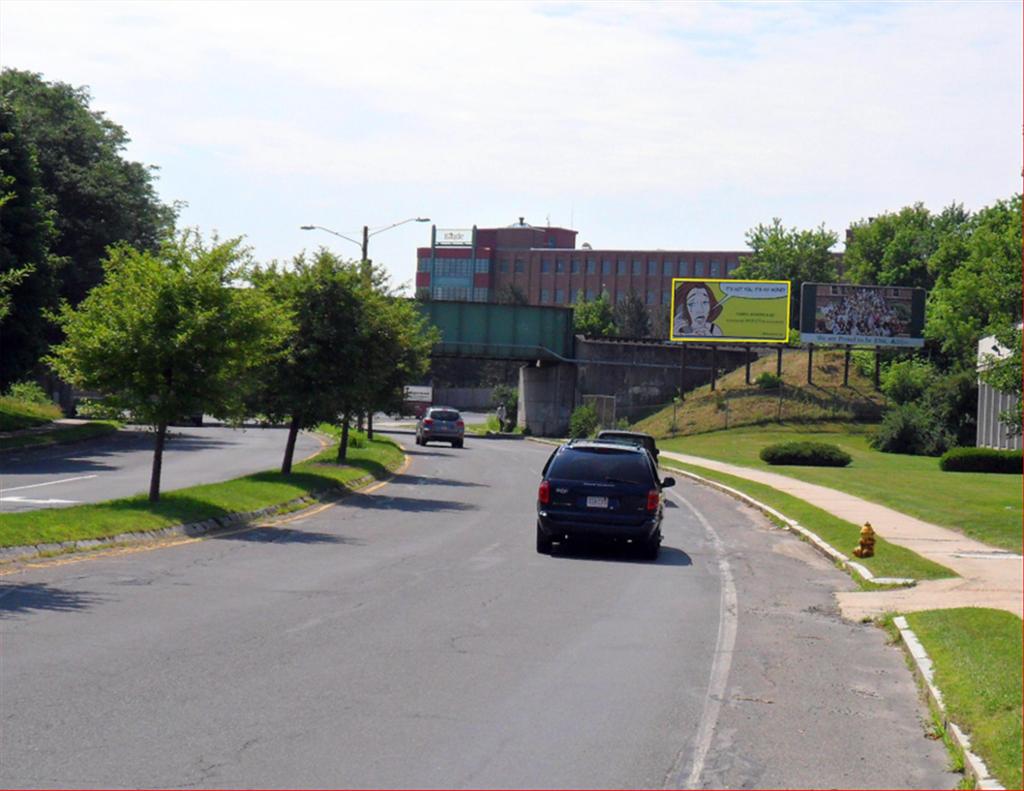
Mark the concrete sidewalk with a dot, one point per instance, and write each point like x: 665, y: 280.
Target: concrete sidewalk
x: 989, y: 577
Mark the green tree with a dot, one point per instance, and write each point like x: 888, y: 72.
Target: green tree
x: 28, y: 268
x: 511, y: 294
x: 595, y: 318
x: 169, y: 334
x: 99, y: 197
x: 631, y: 316
x: 779, y: 253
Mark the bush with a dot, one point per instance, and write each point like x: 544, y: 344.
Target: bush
x: 808, y: 454
x: 356, y: 439
x: 907, y: 428
x: 907, y: 380
x: 981, y: 460
x: 768, y: 381
x: 582, y: 422
x: 509, y: 397
x: 29, y: 392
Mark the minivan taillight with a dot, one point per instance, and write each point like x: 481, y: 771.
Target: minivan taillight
x: 544, y: 493
x: 459, y: 424
x: 653, y: 498
x: 428, y: 421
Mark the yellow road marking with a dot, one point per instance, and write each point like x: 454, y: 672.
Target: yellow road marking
x: 149, y: 546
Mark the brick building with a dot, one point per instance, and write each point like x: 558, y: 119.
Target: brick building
x: 544, y: 264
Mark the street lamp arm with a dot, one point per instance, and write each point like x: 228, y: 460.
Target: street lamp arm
x: 341, y: 235
x: 395, y: 225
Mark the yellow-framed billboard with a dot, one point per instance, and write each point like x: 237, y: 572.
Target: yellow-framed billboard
x: 709, y: 310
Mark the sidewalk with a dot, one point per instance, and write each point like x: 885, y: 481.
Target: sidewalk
x: 989, y: 577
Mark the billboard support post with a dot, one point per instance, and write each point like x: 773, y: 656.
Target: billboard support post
x: 682, y: 377
x: 714, y: 368
x: 778, y: 363
x: 810, y: 360
x: 846, y: 368
x: 747, y: 351
x: 878, y: 366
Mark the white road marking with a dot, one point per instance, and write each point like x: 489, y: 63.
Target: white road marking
x: 722, y: 662
x: 29, y: 501
x: 49, y: 483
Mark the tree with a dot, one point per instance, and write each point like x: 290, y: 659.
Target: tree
x: 631, y: 316
x: 790, y: 254
x: 99, y: 198
x: 511, y: 294
x: 169, y: 334
x: 28, y: 268
x: 595, y: 318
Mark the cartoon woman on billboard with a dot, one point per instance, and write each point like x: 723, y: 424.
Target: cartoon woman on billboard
x: 696, y: 310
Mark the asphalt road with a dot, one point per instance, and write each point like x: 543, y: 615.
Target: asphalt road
x: 119, y: 465
x: 411, y: 637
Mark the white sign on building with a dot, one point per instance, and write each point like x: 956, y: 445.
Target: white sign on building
x: 454, y: 237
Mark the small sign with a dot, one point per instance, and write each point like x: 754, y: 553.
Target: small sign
x: 454, y: 237
x: 419, y: 393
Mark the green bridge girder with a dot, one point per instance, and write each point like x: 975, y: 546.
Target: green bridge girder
x: 501, y: 332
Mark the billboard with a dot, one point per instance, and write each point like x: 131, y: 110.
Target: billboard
x: 454, y: 237
x: 729, y: 311
x: 852, y: 315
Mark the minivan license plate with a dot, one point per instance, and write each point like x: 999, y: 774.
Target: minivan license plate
x: 597, y: 502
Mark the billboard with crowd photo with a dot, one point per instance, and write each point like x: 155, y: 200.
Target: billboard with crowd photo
x: 729, y: 311
x: 851, y: 315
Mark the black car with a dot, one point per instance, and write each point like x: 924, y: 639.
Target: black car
x: 603, y: 490
x: 633, y: 438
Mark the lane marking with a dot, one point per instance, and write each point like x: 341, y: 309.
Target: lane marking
x: 720, y: 666
x: 30, y: 501
x: 49, y: 483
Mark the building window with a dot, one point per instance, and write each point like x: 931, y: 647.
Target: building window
x: 698, y: 269
x: 423, y: 265
x: 636, y: 266
x: 667, y: 269
x: 559, y: 265
x: 684, y: 269
x: 519, y: 265
x: 731, y: 266
x: 545, y: 265
x: 666, y: 297
x: 479, y: 294
x: 503, y: 266
x: 606, y: 266
x: 574, y: 266
x: 559, y: 296
x: 545, y: 295
x: 591, y: 266
x: 716, y: 268
x: 573, y: 295
x: 620, y: 267
x: 652, y: 267
x: 620, y: 297
x: 482, y: 265
x: 651, y: 296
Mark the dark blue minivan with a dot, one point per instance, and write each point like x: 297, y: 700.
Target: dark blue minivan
x: 603, y: 490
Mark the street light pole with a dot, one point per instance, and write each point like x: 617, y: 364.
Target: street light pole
x: 365, y: 268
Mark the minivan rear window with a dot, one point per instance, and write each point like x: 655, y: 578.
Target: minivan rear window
x: 444, y: 414
x: 585, y: 464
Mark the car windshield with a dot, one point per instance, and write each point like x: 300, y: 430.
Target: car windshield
x: 444, y: 414
x: 600, y: 464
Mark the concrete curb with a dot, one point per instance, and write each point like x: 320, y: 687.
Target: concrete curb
x: 974, y: 766
x: 816, y: 541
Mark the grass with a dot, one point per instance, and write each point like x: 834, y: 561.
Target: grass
x: 197, y: 503
x: 983, y: 506
x: 890, y: 560
x: 977, y: 658
x: 61, y: 435
x: 17, y: 414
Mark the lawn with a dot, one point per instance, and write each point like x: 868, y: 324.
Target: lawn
x: 890, y: 560
x: 16, y: 413
x: 977, y: 657
x: 59, y: 435
x: 197, y: 503
x: 984, y: 506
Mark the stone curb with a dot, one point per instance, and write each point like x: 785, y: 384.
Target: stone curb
x: 191, y: 530
x: 974, y: 766
x: 815, y: 540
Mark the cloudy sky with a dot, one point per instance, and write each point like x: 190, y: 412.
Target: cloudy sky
x: 676, y: 125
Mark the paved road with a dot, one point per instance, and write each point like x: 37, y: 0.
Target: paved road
x: 411, y: 637
x: 119, y: 465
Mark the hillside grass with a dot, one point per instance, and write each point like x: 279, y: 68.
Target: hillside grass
x: 377, y: 459
x: 16, y: 414
x: 59, y: 435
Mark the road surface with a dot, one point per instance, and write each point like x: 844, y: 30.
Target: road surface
x: 412, y: 637
x: 119, y: 465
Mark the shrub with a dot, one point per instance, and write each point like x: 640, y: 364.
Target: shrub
x: 356, y: 439
x: 582, y: 422
x: 907, y: 428
x: 509, y: 397
x: 768, y: 381
x: 981, y: 460
x: 907, y: 380
x: 29, y: 392
x: 808, y: 454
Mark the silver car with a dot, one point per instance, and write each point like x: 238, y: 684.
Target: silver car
x: 441, y: 423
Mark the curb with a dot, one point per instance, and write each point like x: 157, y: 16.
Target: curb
x: 791, y: 524
x: 194, y: 529
x: 974, y: 766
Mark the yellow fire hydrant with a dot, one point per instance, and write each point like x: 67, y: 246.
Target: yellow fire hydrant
x: 866, y: 547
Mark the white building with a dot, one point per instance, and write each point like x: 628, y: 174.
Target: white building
x: 992, y: 433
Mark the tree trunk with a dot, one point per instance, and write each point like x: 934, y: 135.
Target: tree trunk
x: 289, y: 449
x: 158, y: 461
x: 369, y: 424
x: 359, y: 421
x: 343, y: 447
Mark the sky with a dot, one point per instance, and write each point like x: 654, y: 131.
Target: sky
x: 672, y: 125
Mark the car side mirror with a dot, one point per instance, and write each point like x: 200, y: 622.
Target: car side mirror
x: 668, y: 482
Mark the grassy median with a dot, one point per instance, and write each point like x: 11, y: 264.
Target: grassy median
x: 890, y: 560
x: 376, y: 459
x: 977, y: 658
